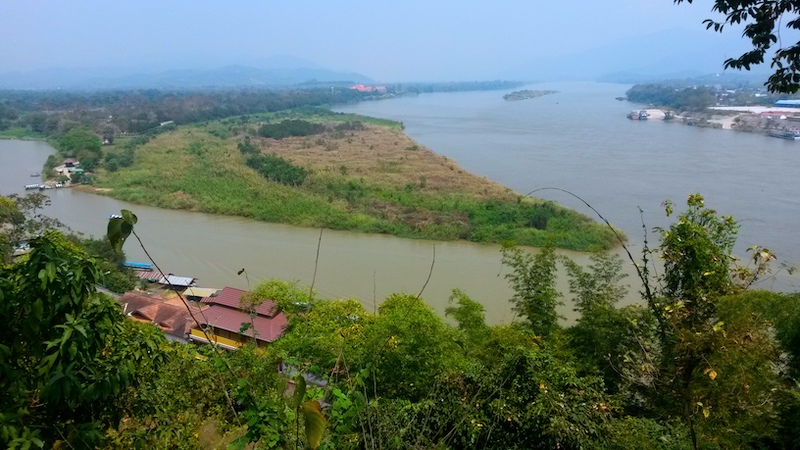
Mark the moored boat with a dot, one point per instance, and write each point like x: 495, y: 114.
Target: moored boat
x: 138, y: 265
x: 637, y: 114
x: 791, y: 135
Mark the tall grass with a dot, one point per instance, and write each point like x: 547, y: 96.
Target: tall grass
x: 199, y: 168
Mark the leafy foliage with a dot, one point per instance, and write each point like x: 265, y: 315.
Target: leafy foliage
x: 470, y: 317
x: 119, y: 228
x: 21, y: 218
x: 66, y: 351
x: 763, y: 20
x: 704, y: 364
x: 408, y: 346
x: 275, y: 168
x: 692, y: 98
x: 287, y: 128
x: 533, y: 279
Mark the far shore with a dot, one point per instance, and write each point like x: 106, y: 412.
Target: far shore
x: 726, y: 117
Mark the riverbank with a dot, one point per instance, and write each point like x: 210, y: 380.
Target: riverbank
x: 360, y: 176
x: 22, y: 134
x: 749, y: 119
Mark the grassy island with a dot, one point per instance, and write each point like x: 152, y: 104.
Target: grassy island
x: 323, y: 169
x: 526, y: 94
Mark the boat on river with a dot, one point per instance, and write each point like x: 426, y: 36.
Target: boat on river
x: 36, y: 174
x: 791, y: 135
x: 138, y: 265
x: 637, y: 114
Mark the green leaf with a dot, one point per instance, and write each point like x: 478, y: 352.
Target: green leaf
x: 299, y: 391
x: 315, y: 423
x: 119, y: 228
x: 129, y: 217
x: 239, y: 444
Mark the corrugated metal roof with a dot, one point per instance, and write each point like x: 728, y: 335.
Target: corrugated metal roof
x: 230, y: 297
x: 169, y: 279
x: 230, y: 319
x: 176, y: 280
x: 200, y: 292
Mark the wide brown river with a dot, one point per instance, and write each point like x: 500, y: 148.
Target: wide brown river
x: 578, y: 139
x: 214, y: 248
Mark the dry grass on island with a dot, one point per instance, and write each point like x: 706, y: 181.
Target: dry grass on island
x: 351, y: 173
x: 385, y: 156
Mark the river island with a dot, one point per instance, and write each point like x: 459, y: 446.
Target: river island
x: 316, y: 168
x: 526, y: 94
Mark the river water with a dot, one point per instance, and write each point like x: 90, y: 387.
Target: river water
x: 214, y: 248
x: 577, y: 139
x: 580, y: 140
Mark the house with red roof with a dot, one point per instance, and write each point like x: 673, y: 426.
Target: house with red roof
x: 230, y: 325
x: 175, y: 321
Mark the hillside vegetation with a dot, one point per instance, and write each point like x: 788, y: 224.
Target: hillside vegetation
x: 704, y: 362
x: 316, y: 168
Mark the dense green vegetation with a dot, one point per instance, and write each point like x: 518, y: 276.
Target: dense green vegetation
x: 119, y: 112
x: 275, y: 168
x: 194, y: 168
x: 292, y: 127
x: 685, y: 98
x: 703, y: 362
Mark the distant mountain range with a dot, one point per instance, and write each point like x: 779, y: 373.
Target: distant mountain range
x: 673, y: 54
x: 271, y: 72
x: 666, y: 55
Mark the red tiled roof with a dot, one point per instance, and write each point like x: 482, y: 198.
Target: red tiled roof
x: 266, y: 328
x: 174, y: 320
x: 132, y: 301
x: 230, y: 297
x: 149, y: 275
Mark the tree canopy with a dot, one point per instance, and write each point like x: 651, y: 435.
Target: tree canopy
x: 763, y: 21
x: 704, y: 362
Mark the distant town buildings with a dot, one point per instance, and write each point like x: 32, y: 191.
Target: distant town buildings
x: 364, y: 88
x: 788, y: 103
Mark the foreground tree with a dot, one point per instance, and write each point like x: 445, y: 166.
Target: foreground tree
x: 67, y: 353
x: 533, y: 278
x: 21, y: 218
x: 763, y: 21
x: 703, y: 360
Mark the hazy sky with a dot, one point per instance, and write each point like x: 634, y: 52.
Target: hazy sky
x: 388, y: 41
